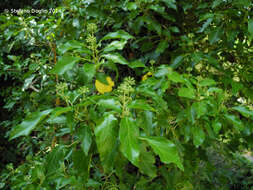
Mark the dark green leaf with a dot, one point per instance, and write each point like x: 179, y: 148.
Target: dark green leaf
x: 244, y: 111
x: 166, y: 150
x: 30, y: 122
x: 106, y: 139
x: 64, y: 64
x: 84, y: 134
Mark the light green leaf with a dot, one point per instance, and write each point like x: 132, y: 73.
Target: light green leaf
x: 121, y: 34
x: 116, y: 58
x: 237, y: 123
x: 115, y: 45
x: 110, y: 104
x: 186, y: 92
x: 140, y: 104
x: 131, y: 6
x: 90, y: 70
x: 128, y: 135
x: 106, y: 139
x: 166, y: 150
x: 198, y: 135
x: 244, y: 111
x: 64, y: 64
x: 216, y: 126
x: 30, y: 122
x: 207, y: 82
x: 175, y: 77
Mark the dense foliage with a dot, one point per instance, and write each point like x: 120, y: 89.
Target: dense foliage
x: 144, y: 94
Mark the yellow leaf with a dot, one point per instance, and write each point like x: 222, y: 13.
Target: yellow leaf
x: 102, y: 88
x: 144, y: 77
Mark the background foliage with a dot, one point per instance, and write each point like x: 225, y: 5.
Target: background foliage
x: 145, y: 94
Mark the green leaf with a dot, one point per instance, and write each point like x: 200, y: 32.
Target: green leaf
x: 131, y: 6
x: 116, y: 58
x: 81, y: 163
x: 166, y: 150
x: 250, y: 26
x: 54, y: 159
x: 174, y: 29
x: 84, y: 135
x: 69, y: 46
x: 207, y: 82
x: 30, y: 122
x: 244, y: 111
x: 146, y: 163
x: 64, y: 64
x: 106, y: 139
x: 198, y: 135
x: 162, y: 71
x: 115, y: 45
x: 162, y: 46
x: 170, y: 4
x: 128, y: 135
x: 186, y: 92
x: 110, y: 104
x: 175, y: 77
x: 177, y: 61
x: 59, y: 111
x: 121, y: 34
x: 200, y: 107
x: 215, y: 35
x: 140, y: 104
x: 205, y: 25
x: 136, y: 64
x: 216, y: 126
x: 90, y: 70
x: 237, y: 123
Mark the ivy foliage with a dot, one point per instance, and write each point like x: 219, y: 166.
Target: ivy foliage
x: 107, y: 94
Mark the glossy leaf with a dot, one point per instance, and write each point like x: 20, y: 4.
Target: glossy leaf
x: 128, y: 135
x: 106, y: 139
x: 116, y: 58
x: 115, y: 45
x: 244, y: 111
x: 64, y: 64
x: 29, y: 123
x: 166, y: 150
x: 121, y: 34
